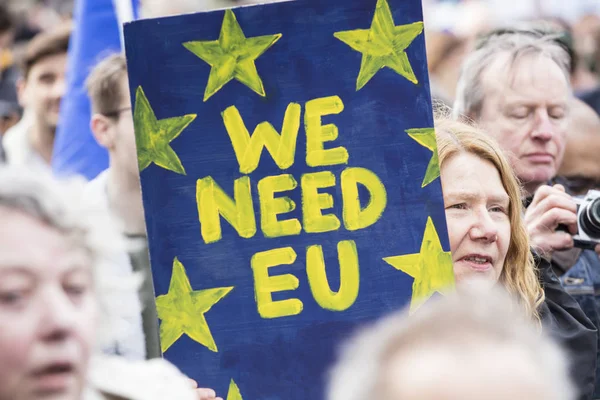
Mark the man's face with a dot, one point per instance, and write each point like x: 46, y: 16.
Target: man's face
x: 580, y: 169
x: 43, y: 89
x: 525, y: 109
x: 47, y: 310
x: 6, y: 39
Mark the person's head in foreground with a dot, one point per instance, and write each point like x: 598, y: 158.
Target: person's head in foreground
x: 51, y: 254
x: 516, y: 86
x: 483, y: 205
x: 59, y: 301
x: 472, y: 346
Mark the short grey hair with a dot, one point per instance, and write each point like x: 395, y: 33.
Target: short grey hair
x: 459, y: 322
x: 514, y: 46
x: 61, y: 204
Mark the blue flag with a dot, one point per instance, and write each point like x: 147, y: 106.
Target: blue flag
x: 97, y: 33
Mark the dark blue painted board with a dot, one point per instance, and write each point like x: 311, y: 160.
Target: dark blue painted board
x: 283, y: 358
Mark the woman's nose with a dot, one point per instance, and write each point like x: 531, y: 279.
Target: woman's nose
x: 484, y: 228
x: 58, y: 315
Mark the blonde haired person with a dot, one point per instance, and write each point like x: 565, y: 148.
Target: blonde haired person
x: 484, y: 213
x: 489, y: 241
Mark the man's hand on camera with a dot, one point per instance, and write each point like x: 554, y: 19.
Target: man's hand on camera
x: 551, y: 207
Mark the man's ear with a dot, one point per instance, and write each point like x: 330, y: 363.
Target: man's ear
x: 101, y: 128
x: 22, y: 92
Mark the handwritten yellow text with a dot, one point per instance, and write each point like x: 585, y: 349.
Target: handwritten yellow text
x: 213, y: 202
x: 265, y: 284
x: 282, y: 147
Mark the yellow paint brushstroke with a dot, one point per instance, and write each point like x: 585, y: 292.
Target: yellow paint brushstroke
x: 234, y: 391
x: 383, y: 45
x: 314, y: 202
x: 426, y: 138
x: 349, y: 276
x: 356, y: 218
x: 213, y: 202
x: 232, y: 56
x: 431, y: 268
x: 248, y: 149
x: 153, y: 136
x: 317, y: 133
x: 271, y: 206
x: 265, y: 285
x: 182, y: 310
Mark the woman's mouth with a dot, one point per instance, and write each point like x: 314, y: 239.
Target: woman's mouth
x: 477, y: 262
x: 55, y: 378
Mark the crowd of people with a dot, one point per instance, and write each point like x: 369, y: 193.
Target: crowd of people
x: 518, y: 129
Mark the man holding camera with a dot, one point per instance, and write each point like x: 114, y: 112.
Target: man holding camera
x: 516, y: 86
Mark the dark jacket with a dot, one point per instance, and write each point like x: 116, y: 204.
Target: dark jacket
x: 565, y: 320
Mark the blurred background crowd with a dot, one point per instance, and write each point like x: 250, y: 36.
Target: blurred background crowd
x: 452, y: 27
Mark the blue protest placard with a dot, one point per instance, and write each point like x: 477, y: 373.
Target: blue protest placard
x: 290, y: 183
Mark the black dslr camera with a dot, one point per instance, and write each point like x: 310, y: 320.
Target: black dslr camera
x: 588, y: 221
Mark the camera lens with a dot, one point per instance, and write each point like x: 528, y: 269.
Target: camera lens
x: 590, y: 218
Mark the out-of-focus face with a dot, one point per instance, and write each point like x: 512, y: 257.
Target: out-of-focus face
x: 47, y: 311
x: 580, y: 169
x: 44, y: 88
x: 491, y: 371
x: 526, y: 110
x: 6, y: 39
x: 477, y: 216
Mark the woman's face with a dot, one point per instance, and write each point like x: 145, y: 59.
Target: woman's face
x: 47, y: 311
x: 477, y: 214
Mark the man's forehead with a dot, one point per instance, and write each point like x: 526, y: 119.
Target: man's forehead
x: 55, y: 63
x: 514, y: 78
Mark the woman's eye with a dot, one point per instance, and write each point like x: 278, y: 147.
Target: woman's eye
x: 75, y: 290
x: 498, y: 209
x: 11, y: 298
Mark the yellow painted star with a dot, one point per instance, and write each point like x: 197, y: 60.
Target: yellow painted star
x: 182, y: 310
x: 426, y: 138
x: 153, y: 136
x: 232, y: 56
x: 383, y: 45
x: 234, y: 392
x: 431, y: 268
